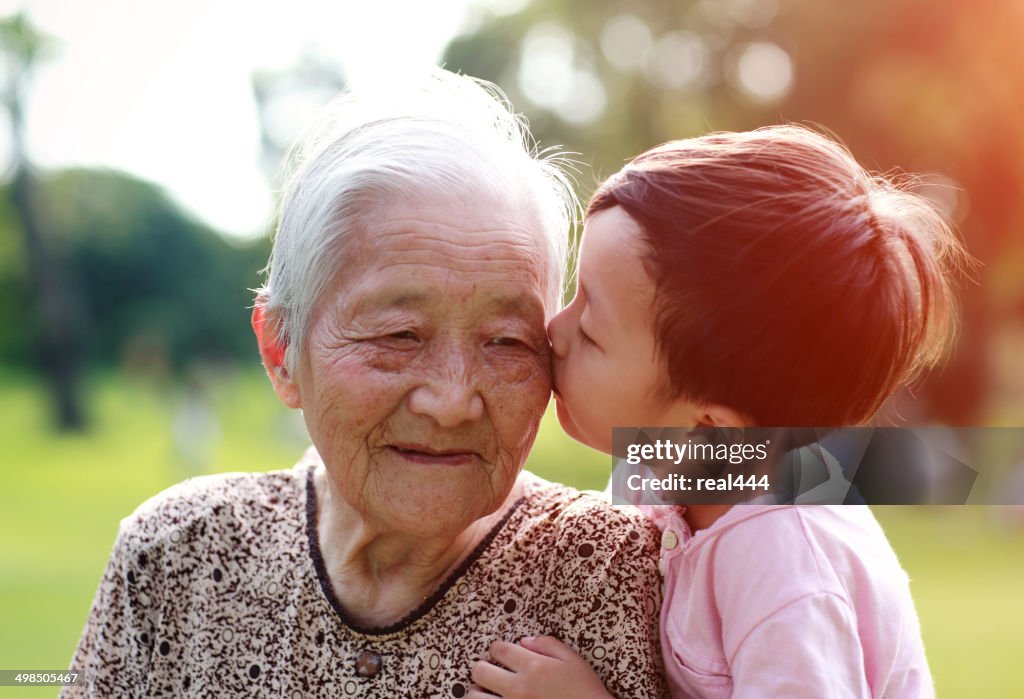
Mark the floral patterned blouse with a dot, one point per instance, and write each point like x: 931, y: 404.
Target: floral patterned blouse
x: 216, y: 587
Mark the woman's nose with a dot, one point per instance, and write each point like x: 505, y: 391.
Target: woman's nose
x: 558, y: 334
x: 449, y: 395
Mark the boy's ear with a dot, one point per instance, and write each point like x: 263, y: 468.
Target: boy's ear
x: 272, y: 354
x: 714, y: 415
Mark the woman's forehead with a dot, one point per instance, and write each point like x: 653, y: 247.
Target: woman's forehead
x: 412, y: 257
x: 472, y: 239
x: 465, y: 211
x: 423, y: 294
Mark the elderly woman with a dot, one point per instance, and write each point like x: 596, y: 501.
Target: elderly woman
x: 419, y: 254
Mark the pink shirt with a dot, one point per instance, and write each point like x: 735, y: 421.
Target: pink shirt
x: 787, y: 601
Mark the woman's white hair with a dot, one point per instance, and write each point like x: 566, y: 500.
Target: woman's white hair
x: 442, y: 134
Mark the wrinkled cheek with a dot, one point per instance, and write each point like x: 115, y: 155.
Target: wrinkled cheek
x: 528, y: 396
x: 349, y: 408
x: 519, y: 407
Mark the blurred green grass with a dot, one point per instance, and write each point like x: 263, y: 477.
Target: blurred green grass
x: 61, y: 498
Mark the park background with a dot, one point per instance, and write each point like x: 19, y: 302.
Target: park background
x: 141, y: 143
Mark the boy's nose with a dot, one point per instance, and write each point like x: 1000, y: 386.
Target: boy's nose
x: 558, y: 334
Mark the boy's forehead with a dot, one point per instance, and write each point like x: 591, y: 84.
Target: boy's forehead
x: 612, y: 228
x: 611, y: 242
x: 611, y: 270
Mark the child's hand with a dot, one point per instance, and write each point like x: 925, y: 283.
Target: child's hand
x: 537, y: 667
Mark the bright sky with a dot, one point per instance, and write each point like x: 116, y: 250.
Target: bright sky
x: 162, y: 88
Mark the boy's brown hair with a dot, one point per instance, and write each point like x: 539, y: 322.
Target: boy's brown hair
x: 791, y: 285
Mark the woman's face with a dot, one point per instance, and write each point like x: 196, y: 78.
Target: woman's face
x: 426, y: 369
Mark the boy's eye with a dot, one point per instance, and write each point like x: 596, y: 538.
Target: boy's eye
x: 585, y: 338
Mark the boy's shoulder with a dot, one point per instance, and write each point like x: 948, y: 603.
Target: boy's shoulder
x: 799, y: 550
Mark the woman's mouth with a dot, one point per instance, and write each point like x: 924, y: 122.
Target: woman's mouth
x: 420, y: 454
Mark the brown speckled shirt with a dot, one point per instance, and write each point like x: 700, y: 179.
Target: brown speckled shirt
x: 216, y: 588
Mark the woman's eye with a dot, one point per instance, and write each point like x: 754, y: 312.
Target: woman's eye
x: 404, y: 335
x: 505, y: 341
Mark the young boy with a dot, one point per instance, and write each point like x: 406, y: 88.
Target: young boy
x: 741, y: 279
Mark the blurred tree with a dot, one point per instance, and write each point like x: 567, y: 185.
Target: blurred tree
x: 145, y: 274
x: 106, y: 269
x: 915, y: 85
x: 58, y: 332
x: 610, y: 79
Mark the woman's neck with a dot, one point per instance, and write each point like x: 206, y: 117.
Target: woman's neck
x: 380, y: 576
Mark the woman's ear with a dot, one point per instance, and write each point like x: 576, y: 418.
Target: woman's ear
x: 272, y: 353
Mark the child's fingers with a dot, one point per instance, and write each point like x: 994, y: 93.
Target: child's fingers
x: 549, y: 646
x: 512, y: 655
x: 477, y: 693
x: 491, y: 677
